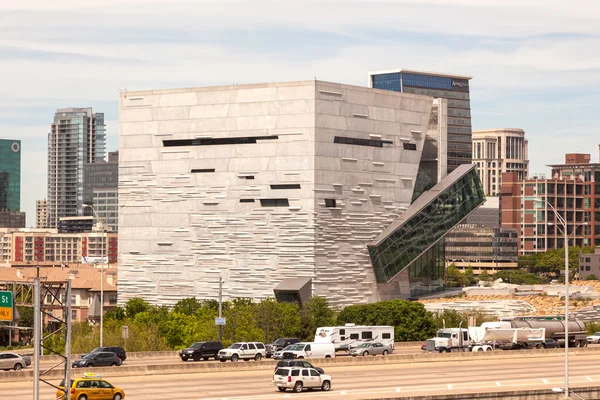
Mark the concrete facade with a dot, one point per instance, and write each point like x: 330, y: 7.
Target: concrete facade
x: 41, y: 214
x: 496, y: 151
x: 255, y: 184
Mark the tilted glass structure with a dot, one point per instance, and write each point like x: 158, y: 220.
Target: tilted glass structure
x: 10, y: 175
x: 415, y: 240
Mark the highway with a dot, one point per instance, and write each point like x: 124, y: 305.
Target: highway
x: 359, y: 382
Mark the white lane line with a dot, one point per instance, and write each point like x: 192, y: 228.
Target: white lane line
x: 449, y: 386
x: 589, y: 379
x: 397, y: 389
x: 497, y: 383
x: 545, y: 381
x: 343, y: 392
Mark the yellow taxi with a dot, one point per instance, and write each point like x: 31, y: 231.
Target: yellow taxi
x: 90, y: 387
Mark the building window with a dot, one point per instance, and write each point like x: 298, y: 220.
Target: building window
x: 330, y: 203
x: 73, y: 299
x: 274, y: 202
x: 216, y: 141
x: 360, y: 142
x: 286, y: 186
x: 246, y: 200
x: 202, y: 170
x: 587, y: 259
x: 587, y: 268
x: 409, y: 146
x: 74, y: 314
x: 112, y: 299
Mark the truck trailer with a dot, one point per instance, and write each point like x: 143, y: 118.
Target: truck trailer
x: 554, y: 326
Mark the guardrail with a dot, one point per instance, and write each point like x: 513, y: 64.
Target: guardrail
x: 179, y: 367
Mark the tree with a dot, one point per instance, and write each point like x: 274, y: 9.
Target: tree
x: 187, y: 306
x: 315, y: 313
x: 469, y: 276
x: 278, y: 319
x: 135, y: 306
x: 591, y: 277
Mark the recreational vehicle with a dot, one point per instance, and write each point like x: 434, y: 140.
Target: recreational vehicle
x: 350, y: 335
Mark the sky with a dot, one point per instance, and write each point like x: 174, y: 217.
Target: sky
x: 535, y: 64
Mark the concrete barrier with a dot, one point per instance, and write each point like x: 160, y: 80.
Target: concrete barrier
x: 178, y: 367
x: 587, y: 393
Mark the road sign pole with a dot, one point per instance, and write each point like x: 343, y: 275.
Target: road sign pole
x: 68, y: 337
x: 220, y: 308
x: 36, y: 339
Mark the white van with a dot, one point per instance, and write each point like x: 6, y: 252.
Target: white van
x: 310, y: 350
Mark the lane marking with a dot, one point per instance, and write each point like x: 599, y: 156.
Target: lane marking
x: 589, y: 379
x: 397, y: 389
x: 497, y: 383
x: 449, y: 386
x: 343, y: 392
x: 545, y: 381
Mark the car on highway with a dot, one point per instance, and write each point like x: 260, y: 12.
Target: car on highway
x: 14, y: 361
x: 279, y: 344
x: 90, y: 387
x: 112, y: 349
x: 242, y: 351
x: 278, y: 355
x: 299, y: 378
x: 546, y: 344
x: 371, y: 349
x: 100, y: 359
x: 595, y: 338
x: 201, y: 350
x: 297, y: 363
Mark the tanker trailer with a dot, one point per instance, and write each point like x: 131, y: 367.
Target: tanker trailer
x: 555, y: 328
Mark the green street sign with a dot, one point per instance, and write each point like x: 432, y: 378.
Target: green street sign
x: 6, y: 306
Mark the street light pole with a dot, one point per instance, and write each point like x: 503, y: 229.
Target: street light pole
x: 101, y: 275
x: 563, y: 222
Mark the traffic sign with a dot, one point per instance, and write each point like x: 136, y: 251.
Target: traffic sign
x: 125, y: 332
x: 6, y: 306
x: 219, y: 321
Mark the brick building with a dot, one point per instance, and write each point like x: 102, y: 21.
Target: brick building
x: 573, y: 190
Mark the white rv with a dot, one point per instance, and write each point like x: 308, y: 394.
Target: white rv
x: 349, y: 336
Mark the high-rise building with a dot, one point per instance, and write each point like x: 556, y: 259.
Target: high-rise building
x: 496, y: 151
x: 454, y: 88
x: 41, y: 214
x: 77, y: 137
x: 101, y: 182
x: 292, y: 188
x: 10, y: 175
x: 573, y: 191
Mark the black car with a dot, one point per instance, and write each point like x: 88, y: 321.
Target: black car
x: 111, y: 349
x: 279, y: 344
x: 198, y: 350
x: 547, y: 344
x: 297, y: 363
x: 98, y: 359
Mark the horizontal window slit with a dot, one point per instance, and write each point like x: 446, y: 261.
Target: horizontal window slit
x: 201, y: 170
x: 216, y: 141
x: 409, y: 146
x: 246, y: 200
x: 361, y: 142
x: 286, y: 186
x: 274, y: 202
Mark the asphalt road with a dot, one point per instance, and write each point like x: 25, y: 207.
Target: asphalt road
x: 358, y: 382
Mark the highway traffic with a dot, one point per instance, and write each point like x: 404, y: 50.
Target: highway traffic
x: 523, y: 371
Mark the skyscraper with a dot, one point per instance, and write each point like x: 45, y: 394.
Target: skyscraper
x: 10, y: 175
x: 77, y: 137
x: 455, y: 88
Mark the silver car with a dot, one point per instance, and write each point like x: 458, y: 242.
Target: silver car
x: 371, y: 349
x: 12, y: 361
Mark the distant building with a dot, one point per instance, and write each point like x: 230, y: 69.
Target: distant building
x: 41, y: 214
x: 10, y: 175
x: 496, y: 151
x: 101, y: 182
x: 77, y: 137
x: 455, y: 88
x: 12, y: 219
x: 589, y: 264
x: 572, y: 190
x: 50, y: 248
x: 75, y: 224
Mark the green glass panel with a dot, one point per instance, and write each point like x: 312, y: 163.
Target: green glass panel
x: 10, y: 175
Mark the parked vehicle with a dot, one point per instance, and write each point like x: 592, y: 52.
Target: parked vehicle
x: 111, y: 349
x: 242, y: 351
x: 299, y: 378
x: 554, y: 326
x: 279, y: 344
x: 99, y: 359
x: 595, y: 338
x: 278, y: 355
x: 90, y: 387
x: 371, y: 349
x: 348, y: 336
x: 310, y: 350
x: 201, y: 350
x: 297, y: 363
x: 14, y: 361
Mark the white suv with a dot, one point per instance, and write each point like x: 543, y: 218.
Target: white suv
x: 298, y: 378
x: 242, y: 351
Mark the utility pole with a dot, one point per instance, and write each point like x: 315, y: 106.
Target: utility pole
x: 36, y: 338
x: 220, y: 308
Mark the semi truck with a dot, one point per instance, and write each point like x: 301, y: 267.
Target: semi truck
x: 554, y: 326
x: 487, y: 337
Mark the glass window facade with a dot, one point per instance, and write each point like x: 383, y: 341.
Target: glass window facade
x: 417, y: 243
x: 10, y: 175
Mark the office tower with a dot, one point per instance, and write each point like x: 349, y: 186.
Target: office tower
x: 454, y: 88
x: 77, y: 137
x: 10, y: 175
x: 101, y: 181
x: 496, y: 151
x: 572, y: 190
x: 41, y: 214
x: 293, y: 188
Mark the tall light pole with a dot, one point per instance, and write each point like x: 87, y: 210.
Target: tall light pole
x: 101, y: 275
x: 563, y: 222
